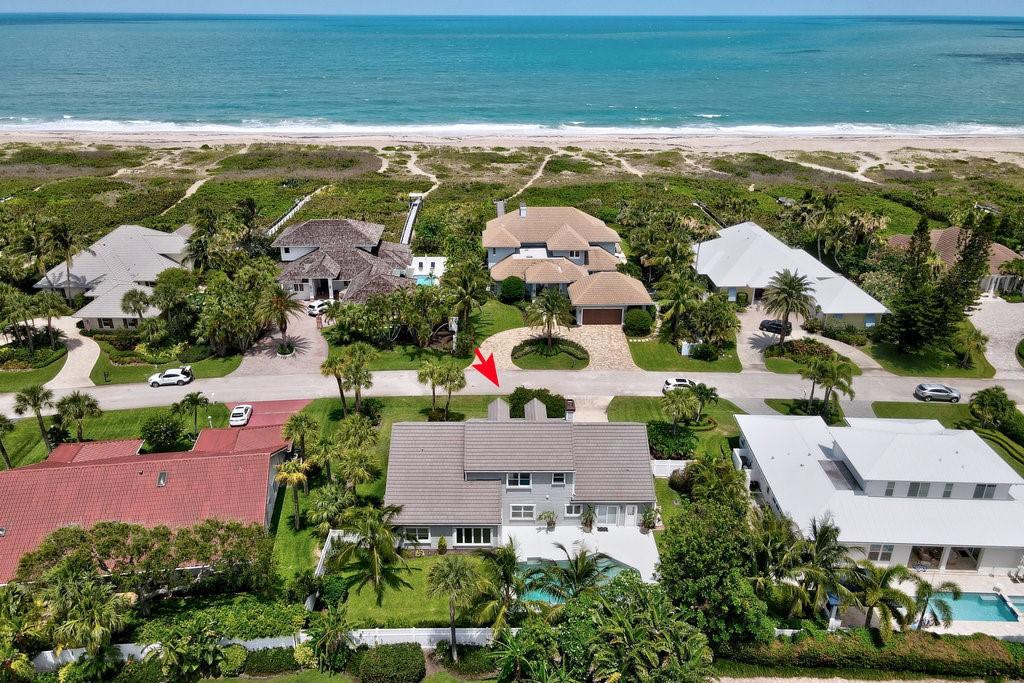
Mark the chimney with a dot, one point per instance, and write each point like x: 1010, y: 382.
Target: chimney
x: 499, y: 207
x: 535, y: 411
x: 522, y: 209
x: 498, y: 411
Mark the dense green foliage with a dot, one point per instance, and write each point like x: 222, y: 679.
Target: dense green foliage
x: 242, y: 617
x: 637, y: 323
x: 555, y: 403
x: 399, y: 663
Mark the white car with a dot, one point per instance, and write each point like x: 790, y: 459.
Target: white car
x: 677, y: 383
x: 315, y: 308
x: 176, y: 376
x: 240, y: 415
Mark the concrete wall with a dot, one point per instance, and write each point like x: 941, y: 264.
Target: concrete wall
x: 858, y: 320
x: 272, y: 487
x: 294, y: 253
x: 935, y: 490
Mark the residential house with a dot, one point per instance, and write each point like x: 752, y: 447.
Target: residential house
x: 901, y: 491
x: 946, y: 245
x: 228, y: 475
x: 128, y: 257
x: 481, y: 482
x: 548, y: 246
x: 745, y: 257
x: 341, y: 259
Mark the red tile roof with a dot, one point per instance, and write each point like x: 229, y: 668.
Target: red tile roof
x: 946, y: 243
x: 94, y: 450
x: 241, y: 440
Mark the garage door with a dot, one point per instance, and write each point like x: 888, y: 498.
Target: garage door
x: 602, y: 316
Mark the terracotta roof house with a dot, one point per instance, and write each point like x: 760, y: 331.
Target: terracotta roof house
x: 226, y: 477
x: 946, y: 244
x: 553, y: 246
x: 481, y: 482
x: 342, y: 259
x: 128, y: 257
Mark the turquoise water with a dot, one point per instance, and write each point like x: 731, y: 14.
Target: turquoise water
x: 529, y: 74
x: 612, y: 569
x: 979, y: 607
x: 426, y: 280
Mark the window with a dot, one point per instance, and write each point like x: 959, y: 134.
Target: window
x: 890, y: 488
x: 573, y: 510
x: 298, y: 287
x: 417, y: 534
x: 880, y: 553
x: 870, y: 320
x: 473, y: 535
x: 517, y: 480
x: 947, y: 491
x: 521, y: 512
x: 575, y: 254
x: 918, y: 489
x: 494, y: 252
x: 286, y: 250
x: 161, y: 479
x: 107, y: 323
x: 985, y: 491
x: 131, y: 322
x: 558, y: 479
x: 607, y: 515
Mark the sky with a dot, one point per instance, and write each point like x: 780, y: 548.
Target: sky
x: 531, y: 7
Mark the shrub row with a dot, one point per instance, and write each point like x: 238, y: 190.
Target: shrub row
x: 20, y: 358
x: 555, y: 403
x: 243, y: 619
x: 398, y: 663
x: 474, y: 660
x: 799, y: 349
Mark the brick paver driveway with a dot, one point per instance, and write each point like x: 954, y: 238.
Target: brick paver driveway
x: 606, y: 345
x: 310, y: 351
x: 1003, y: 323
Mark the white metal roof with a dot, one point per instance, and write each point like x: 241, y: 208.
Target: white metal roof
x: 795, y: 456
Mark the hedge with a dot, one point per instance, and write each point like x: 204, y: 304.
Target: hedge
x: 918, y: 652
x: 273, y: 660
x: 398, y: 663
x: 474, y: 660
x: 637, y: 323
x: 241, y: 618
x: 135, y: 671
x: 555, y: 403
x: 512, y: 289
x: 20, y: 358
x: 671, y: 444
x: 558, y: 345
x: 235, y: 657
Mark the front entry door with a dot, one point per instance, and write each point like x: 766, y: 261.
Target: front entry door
x: 631, y: 515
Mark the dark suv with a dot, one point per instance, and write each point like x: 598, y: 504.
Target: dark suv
x: 775, y: 327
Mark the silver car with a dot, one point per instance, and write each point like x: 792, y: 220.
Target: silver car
x: 175, y: 376
x: 936, y: 392
x: 677, y: 383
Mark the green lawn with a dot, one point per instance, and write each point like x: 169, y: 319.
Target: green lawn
x: 16, y: 380
x: 26, y: 446
x: 659, y: 356
x: 648, y: 409
x: 558, y: 359
x: 789, y: 406
x: 934, y: 361
x: 668, y: 500
x: 105, y: 372
x: 788, y: 366
x: 301, y: 677
x: 293, y: 550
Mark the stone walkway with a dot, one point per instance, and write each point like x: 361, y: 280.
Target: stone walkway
x: 606, y: 345
x: 310, y: 351
x: 591, y: 408
x: 83, y: 353
x: 1003, y: 323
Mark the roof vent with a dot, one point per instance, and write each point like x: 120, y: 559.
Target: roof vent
x: 161, y: 479
x: 522, y: 209
x: 535, y: 411
x: 498, y: 411
x: 499, y: 207
x: 3, y: 531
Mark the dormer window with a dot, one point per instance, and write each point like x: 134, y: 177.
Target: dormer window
x: 286, y: 250
x: 575, y: 254
x: 161, y: 479
x: 517, y: 480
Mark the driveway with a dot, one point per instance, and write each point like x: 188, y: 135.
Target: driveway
x: 606, y: 345
x: 83, y: 353
x: 310, y: 351
x: 270, y: 413
x: 1003, y: 323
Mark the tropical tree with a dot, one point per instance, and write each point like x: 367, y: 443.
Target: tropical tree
x: 706, y: 395
x: 50, y: 305
x: 301, y: 428
x: 712, y: 476
x: 496, y: 601
x: 6, y: 427
x: 681, y: 405
x: 679, y: 294
x: 825, y: 564
x: 86, y: 612
x: 775, y: 549
x: 992, y: 406
x: 548, y: 310
x: 62, y: 241
x: 430, y: 373
x: 357, y: 374
x: 36, y: 399
x: 812, y: 369
x: 876, y: 588
x: 331, y: 636
x: 74, y: 408
x: 358, y: 467
x: 971, y: 342
x: 581, y: 572
x: 277, y: 306
x: 192, y: 653
x: 836, y: 375
x: 191, y: 402
x: 135, y: 303
x: 336, y: 366
x: 292, y: 473
x: 466, y: 285
x: 327, y: 508
x: 356, y: 432
x: 454, y: 577
x: 788, y: 293
x: 370, y: 554
x: 15, y: 665
x: 453, y: 379
x: 930, y: 597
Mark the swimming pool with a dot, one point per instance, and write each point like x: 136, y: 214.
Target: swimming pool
x: 979, y: 607
x: 613, y: 569
x: 1017, y: 600
x: 426, y: 280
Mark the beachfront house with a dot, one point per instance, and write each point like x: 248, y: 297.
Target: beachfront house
x: 482, y: 482
x: 563, y: 247
x: 128, y: 257
x: 745, y: 257
x: 901, y: 491
x: 946, y: 245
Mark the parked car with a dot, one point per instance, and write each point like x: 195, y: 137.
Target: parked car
x: 315, y: 308
x: 177, y: 376
x: 936, y: 392
x: 677, y: 383
x: 774, y: 327
x: 240, y: 415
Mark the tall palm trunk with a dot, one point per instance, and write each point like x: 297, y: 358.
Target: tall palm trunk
x: 785, y: 326
x: 79, y: 431
x: 67, y: 279
x: 447, y: 404
x: 341, y: 390
x: 42, y: 430
x: 924, y: 613
x: 433, y: 397
x: 867, y: 618
x: 451, y: 628
x: 810, y: 401
x: 30, y: 335
x: 6, y: 456
x: 49, y: 331
x: 328, y: 470
x: 295, y: 507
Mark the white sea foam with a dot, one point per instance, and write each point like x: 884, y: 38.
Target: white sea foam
x: 322, y: 127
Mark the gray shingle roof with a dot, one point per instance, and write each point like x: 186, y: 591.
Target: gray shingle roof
x: 612, y: 462
x: 323, y: 232
x: 518, y: 445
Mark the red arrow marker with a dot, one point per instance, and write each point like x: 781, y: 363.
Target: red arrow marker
x: 486, y: 367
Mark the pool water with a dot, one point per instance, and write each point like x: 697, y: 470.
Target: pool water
x: 979, y: 607
x: 426, y: 280
x: 612, y: 569
x: 1018, y: 601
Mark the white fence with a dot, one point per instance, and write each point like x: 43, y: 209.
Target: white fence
x: 662, y: 469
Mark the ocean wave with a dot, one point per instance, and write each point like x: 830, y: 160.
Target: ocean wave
x: 68, y: 124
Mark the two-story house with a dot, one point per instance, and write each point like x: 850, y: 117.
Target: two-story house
x: 480, y: 482
x: 555, y: 246
x: 901, y: 491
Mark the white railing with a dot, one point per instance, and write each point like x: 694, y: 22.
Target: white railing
x: 663, y: 469
x: 272, y: 230
x: 410, y: 220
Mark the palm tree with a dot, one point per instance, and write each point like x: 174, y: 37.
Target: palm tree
x: 14, y: 664
x: 930, y: 597
x: 680, y: 405
x: 135, y: 302
x: 50, y: 305
x: 356, y: 432
x: 430, y: 372
x: 582, y: 572
x: 331, y: 636
x: 788, y: 293
x: 705, y: 395
x: 62, y: 241
x: 452, y: 379
x: 191, y: 653
x: 678, y: 293
x: 453, y: 577
x: 327, y: 508
x: 357, y: 373
x: 277, y: 307
x: 300, y: 428
x: 836, y: 375
x: 74, y: 408
x: 336, y: 366
x: 775, y: 548
x: 6, y: 427
x: 292, y: 473
x: 549, y: 309
x: 812, y: 369
x: 875, y: 588
x: 36, y: 398
x: 191, y: 402
x: 971, y: 342
x: 825, y: 564
x: 466, y: 286
x: 358, y: 467
x: 501, y: 584
x: 87, y: 613
x: 370, y: 555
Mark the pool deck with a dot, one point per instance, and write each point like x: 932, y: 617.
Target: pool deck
x: 626, y: 545
x: 970, y: 582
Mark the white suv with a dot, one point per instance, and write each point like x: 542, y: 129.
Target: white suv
x: 315, y: 308
x: 176, y: 376
x: 677, y: 383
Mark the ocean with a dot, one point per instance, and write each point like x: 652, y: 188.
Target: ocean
x: 529, y: 75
